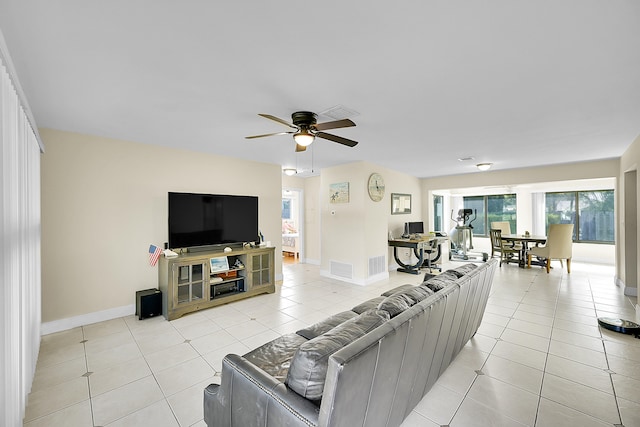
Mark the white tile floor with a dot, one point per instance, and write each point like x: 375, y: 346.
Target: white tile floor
x: 539, y: 358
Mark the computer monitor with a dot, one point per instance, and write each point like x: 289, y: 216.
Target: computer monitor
x: 416, y: 227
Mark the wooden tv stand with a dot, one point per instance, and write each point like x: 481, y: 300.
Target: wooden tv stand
x: 188, y: 284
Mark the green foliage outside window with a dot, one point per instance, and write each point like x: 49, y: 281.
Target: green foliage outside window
x: 591, y: 212
x: 501, y: 207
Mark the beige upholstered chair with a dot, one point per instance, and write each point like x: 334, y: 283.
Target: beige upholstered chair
x: 559, y: 246
x: 507, y: 252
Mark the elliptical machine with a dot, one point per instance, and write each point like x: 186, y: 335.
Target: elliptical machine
x: 461, y: 238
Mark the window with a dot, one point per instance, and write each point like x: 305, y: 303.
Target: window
x: 501, y: 207
x: 476, y: 204
x: 438, y: 213
x: 591, y: 212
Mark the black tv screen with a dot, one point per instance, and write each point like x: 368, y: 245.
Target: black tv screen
x: 211, y: 219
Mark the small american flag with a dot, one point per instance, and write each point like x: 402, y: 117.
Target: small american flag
x: 154, y: 254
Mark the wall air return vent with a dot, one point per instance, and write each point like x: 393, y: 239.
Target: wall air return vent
x: 376, y: 265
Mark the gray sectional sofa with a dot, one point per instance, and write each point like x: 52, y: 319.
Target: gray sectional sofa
x: 368, y: 366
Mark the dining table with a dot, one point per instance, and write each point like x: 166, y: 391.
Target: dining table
x: 525, y: 240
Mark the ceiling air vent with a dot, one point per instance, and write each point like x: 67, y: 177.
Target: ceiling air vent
x: 339, y: 112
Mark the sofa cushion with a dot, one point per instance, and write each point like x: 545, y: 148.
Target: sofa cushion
x: 462, y: 270
x: 325, y: 325
x: 416, y: 293
x: 275, y: 356
x: 309, y: 365
x: 440, y: 281
x: 396, y: 304
x: 367, y: 305
x: 397, y: 289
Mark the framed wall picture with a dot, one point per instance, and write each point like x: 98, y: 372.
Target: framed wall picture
x: 339, y: 192
x: 400, y: 204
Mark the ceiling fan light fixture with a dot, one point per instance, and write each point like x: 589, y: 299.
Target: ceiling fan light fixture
x: 289, y: 171
x: 304, y: 137
x: 484, y: 166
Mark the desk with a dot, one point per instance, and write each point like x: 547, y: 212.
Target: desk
x: 418, y: 244
x: 524, y: 240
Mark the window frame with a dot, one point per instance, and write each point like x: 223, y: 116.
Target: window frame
x: 576, y: 221
x: 485, y: 202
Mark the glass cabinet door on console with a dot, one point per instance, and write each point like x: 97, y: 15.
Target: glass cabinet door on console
x: 261, y: 269
x: 190, y: 282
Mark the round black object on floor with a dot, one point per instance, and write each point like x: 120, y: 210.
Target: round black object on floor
x: 619, y: 325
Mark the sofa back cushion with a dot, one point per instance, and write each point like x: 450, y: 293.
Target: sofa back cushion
x: 395, y: 304
x: 317, y: 329
x: 417, y: 293
x: 308, y: 367
x: 464, y: 269
x: 440, y: 281
x: 371, y: 304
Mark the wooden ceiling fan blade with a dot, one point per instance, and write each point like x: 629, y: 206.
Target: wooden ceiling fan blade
x: 277, y: 119
x: 300, y: 148
x: 344, y: 123
x: 268, y: 134
x: 338, y: 139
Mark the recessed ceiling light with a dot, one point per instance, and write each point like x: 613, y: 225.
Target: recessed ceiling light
x: 466, y: 159
x: 484, y: 166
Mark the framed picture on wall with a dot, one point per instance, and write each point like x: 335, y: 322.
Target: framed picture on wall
x: 400, y: 204
x: 339, y: 192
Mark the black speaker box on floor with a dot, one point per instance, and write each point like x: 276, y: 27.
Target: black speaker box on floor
x: 148, y: 303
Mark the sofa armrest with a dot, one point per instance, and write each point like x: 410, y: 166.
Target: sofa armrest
x: 248, y: 396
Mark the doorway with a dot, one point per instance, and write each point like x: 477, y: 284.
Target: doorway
x: 292, y: 226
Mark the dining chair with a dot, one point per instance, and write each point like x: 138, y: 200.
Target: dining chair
x: 505, y: 228
x: 507, y: 252
x: 559, y: 245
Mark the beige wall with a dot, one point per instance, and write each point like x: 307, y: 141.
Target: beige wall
x: 354, y: 232
x: 104, y: 201
x: 313, y: 226
x: 630, y: 161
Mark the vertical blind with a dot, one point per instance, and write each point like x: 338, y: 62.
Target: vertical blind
x: 20, y: 267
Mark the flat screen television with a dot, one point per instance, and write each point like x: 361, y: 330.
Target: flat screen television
x: 211, y: 219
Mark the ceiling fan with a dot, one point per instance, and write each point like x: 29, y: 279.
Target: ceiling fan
x: 307, y: 129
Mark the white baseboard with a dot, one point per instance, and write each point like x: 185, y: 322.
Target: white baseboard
x: 376, y: 278
x: 630, y: 291
x: 357, y: 281
x: 86, y: 319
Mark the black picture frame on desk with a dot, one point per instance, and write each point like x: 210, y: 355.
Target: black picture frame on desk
x: 400, y: 204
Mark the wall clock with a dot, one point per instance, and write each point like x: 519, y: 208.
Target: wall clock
x: 376, y: 187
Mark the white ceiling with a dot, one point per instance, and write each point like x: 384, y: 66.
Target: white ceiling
x: 513, y: 82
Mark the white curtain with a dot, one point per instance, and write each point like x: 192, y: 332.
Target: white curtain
x: 19, y: 247
x: 538, y: 214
